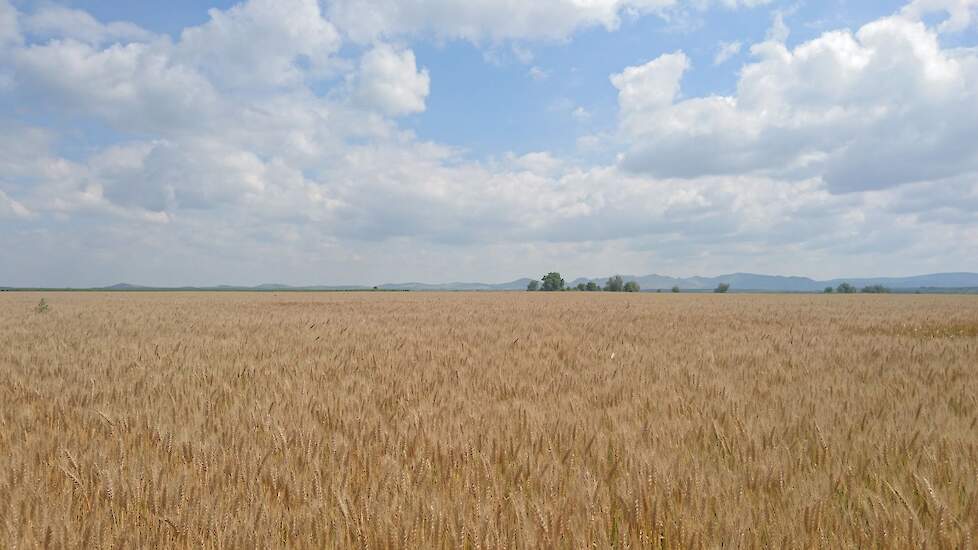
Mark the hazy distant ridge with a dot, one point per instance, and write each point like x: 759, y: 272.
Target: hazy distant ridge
x: 737, y: 281
x: 778, y: 283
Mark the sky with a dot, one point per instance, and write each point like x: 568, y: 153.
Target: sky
x: 374, y: 141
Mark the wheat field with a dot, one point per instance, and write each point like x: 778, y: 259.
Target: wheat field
x: 494, y: 420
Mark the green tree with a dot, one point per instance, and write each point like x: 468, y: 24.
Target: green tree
x: 845, y: 288
x: 675, y: 289
x: 722, y: 288
x: 829, y: 290
x: 615, y: 284
x: 632, y: 286
x: 533, y: 286
x: 552, y: 282
x: 582, y: 287
x: 592, y: 286
x: 875, y: 289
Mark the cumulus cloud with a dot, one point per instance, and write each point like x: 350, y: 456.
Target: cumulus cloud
x: 960, y: 13
x: 61, y: 22
x: 389, y: 81
x: 726, y: 51
x: 650, y: 87
x: 744, y: 3
x: 166, y: 176
x: 498, y: 20
x: 205, y: 121
x: 581, y: 114
x: 261, y: 42
x: 135, y: 86
x: 254, y: 144
x: 11, y: 208
x: 536, y: 73
x: 779, y: 31
x: 480, y: 20
x: 884, y: 106
x: 9, y: 28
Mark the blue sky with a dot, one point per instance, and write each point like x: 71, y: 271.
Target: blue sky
x: 520, y: 113
x: 369, y: 141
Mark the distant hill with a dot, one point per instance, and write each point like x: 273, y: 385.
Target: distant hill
x: 741, y: 281
x: 778, y: 283
x: 124, y: 286
x: 266, y: 287
x: 936, y: 282
x: 518, y: 284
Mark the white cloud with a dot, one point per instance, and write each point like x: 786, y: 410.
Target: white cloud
x: 542, y: 163
x: 248, y: 149
x: 650, y: 87
x: 11, y: 208
x: 260, y: 42
x: 961, y: 13
x: 523, y: 55
x: 498, y: 20
x: 725, y: 51
x: 203, y: 131
x: 536, y: 73
x: 581, y: 114
x: 190, y: 174
x: 61, y: 22
x: 479, y: 20
x: 134, y: 86
x: 779, y: 31
x: 37, y: 179
x: 881, y: 107
x: 9, y: 28
x: 744, y: 3
x: 389, y: 81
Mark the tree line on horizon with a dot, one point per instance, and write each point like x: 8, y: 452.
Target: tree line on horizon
x: 553, y: 282
x: 846, y: 288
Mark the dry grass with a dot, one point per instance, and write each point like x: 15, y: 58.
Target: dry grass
x: 488, y: 420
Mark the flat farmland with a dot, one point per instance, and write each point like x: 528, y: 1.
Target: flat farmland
x: 488, y: 420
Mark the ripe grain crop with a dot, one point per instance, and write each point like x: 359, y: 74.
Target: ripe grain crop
x: 497, y: 420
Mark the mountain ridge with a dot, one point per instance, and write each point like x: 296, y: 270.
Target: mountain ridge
x: 785, y: 283
x: 742, y: 281
x: 738, y: 282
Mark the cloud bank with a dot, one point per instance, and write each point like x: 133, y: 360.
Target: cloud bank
x: 268, y: 144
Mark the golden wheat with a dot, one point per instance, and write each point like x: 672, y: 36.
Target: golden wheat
x: 511, y: 420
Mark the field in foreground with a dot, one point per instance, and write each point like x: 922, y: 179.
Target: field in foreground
x: 488, y: 420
